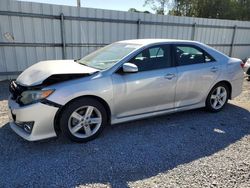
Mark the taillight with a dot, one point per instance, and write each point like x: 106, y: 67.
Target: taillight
x: 242, y: 64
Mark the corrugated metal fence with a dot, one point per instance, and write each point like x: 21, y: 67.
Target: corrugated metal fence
x: 31, y: 32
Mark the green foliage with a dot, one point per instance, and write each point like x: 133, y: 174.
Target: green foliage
x: 159, y: 6
x: 222, y: 9
x: 135, y: 10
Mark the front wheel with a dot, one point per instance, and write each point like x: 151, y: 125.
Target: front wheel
x: 217, y: 98
x: 83, y: 120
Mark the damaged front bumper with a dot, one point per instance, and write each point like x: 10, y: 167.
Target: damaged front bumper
x: 32, y: 122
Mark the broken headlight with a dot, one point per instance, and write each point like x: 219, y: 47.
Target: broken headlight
x: 32, y: 96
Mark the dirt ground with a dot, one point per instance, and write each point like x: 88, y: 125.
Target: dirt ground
x: 187, y: 149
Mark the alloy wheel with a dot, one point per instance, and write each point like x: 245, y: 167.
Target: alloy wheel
x: 218, y: 97
x: 85, y: 121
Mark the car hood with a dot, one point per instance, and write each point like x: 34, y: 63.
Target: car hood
x: 39, y: 72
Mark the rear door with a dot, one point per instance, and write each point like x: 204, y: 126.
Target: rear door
x: 197, y: 71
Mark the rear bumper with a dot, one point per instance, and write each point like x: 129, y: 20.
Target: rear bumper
x: 236, y: 87
x: 41, y: 114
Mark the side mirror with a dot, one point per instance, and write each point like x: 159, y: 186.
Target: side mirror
x: 129, y: 68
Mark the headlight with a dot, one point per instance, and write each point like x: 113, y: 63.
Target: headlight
x: 28, y: 97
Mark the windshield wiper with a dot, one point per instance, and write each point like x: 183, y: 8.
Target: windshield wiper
x: 88, y: 65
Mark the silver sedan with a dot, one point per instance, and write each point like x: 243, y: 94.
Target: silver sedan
x: 124, y: 81
x: 246, y: 68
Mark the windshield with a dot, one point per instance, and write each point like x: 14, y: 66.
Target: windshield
x: 108, y: 56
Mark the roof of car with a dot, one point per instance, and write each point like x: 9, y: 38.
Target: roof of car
x: 145, y: 42
x: 152, y: 41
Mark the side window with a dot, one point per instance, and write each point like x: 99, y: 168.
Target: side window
x: 152, y: 58
x: 188, y: 55
x: 156, y: 52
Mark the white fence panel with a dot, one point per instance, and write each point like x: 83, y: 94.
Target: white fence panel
x: 31, y: 32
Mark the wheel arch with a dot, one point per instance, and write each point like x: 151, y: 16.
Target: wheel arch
x: 59, y: 112
x: 228, y: 84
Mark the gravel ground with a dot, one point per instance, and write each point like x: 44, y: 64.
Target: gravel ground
x: 187, y: 149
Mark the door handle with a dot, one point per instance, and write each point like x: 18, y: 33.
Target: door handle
x: 214, y: 69
x: 169, y: 76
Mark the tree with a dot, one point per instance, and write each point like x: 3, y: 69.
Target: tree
x: 132, y: 10
x: 135, y: 10
x: 159, y: 6
x: 243, y: 7
x: 223, y: 9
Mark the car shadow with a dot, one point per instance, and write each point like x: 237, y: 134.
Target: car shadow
x: 4, y: 94
x: 123, y: 153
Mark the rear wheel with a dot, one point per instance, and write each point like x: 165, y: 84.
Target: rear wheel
x: 217, y: 98
x: 83, y: 120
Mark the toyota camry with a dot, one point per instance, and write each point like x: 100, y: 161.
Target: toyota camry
x: 124, y: 81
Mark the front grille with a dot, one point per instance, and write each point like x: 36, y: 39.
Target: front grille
x: 16, y: 90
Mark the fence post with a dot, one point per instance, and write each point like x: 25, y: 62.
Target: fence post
x: 138, y: 28
x: 233, y: 41
x: 193, y: 31
x: 63, y: 36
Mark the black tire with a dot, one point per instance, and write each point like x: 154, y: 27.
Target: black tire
x: 71, y: 107
x: 209, y: 106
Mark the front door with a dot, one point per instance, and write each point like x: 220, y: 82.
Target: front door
x: 151, y: 89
